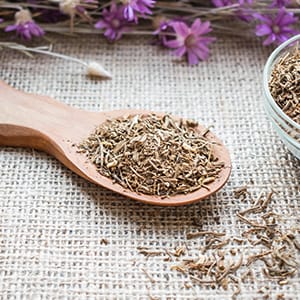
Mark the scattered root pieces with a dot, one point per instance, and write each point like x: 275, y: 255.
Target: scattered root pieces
x: 153, y: 155
x: 240, y: 192
x: 280, y: 245
x: 150, y: 252
x: 104, y: 242
x: 179, y: 251
x: 214, y: 271
x: 263, y: 245
x: 152, y: 280
x: 191, y: 235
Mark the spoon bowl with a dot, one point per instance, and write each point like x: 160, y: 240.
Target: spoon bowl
x: 28, y: 120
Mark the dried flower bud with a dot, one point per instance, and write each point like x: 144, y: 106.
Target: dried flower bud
x: 157, y: 21
x: 68, y: 6
x: 95, y: 69
x: 23, y: 16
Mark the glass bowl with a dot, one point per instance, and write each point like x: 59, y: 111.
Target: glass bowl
x: 287, y: 129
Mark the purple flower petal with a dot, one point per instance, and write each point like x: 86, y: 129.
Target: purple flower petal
x: 282, y: 38
x: 265, y: 19
x: 100, y: 24
x: 180, y: 51
x: 196, y: 26
x: 26, y: 34
x: 201, y: 47
x: 110, y: 34
x: 288, y: 19
x: 201, y: 28
x: 9, y: 28
x: 202, y: 52
x: 205, y: 40
x: 279, y: 16
x: 129, y: 13
x: 263, y: 29
x: 181, y: 28
x: 270, y: 39
x: 192, y: 57
x: 173, y: 44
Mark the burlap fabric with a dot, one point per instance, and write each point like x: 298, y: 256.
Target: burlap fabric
x: 52, y: 222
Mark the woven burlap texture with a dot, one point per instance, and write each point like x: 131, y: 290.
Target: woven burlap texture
x: 52, y: 222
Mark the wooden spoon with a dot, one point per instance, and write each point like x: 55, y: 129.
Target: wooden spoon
x: 39, y: 122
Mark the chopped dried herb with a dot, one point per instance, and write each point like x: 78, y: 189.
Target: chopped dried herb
x: 219, y: 265
x: 153, y: 155
x: 191, y: 235
x: 284, y: 83
x: 152, y: 280
x: 150, y: 252
x: 104, y: 241
x: 241, y: 191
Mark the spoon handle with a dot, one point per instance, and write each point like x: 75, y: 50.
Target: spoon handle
x: 29, y: 120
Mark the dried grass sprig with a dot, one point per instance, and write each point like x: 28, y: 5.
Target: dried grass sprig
x: 92, y: 68
x: 181, y: 25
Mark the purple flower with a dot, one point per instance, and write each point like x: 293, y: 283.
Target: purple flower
x: 190, y: 40
x: 24, y: 26
x: 131, y: 7
x: 1, y: 20
x: 113, y: 22
x: 276, y: 28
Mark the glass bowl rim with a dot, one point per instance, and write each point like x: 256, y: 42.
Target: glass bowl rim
x: 267, y: 92
x: 272, y: 113
x: 281, y: 132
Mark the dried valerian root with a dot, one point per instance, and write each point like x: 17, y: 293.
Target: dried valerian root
x: 150, y: 252
x: 240, y: 192
x: 153, y: 155
x: 223, y: 263
x: 212, y: 270
x: 191, y: 235
x: 284, y: 83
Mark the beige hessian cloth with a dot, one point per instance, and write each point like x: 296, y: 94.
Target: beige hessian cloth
x: 52, y: 221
